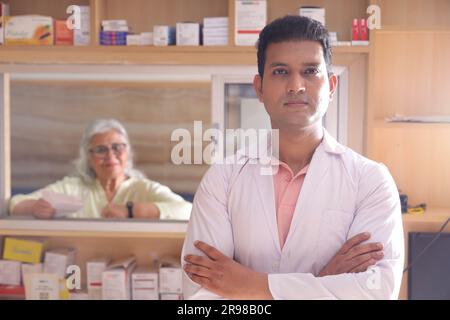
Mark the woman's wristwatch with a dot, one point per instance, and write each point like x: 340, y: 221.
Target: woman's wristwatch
x: 129, y: 206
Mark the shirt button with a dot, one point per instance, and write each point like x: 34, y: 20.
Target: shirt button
x: 276, y: 265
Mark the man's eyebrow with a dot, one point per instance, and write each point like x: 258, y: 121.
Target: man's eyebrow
x: 281, y: 64
x: 277, y: 64
x: 312, y: 64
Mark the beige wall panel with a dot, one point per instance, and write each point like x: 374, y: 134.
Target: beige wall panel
x: 417, y: 157
x: 414, y: 14
x: 411, y: 74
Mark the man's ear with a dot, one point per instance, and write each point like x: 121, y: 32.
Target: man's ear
x: 333, y: 81
x: 257, y: 84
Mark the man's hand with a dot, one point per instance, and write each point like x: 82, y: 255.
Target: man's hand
x: 224, y: 276
x: 354, y: 257
x: 115, y: 211
x: 42, y: 209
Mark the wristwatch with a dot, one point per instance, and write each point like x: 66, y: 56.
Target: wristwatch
x: 129, y: 206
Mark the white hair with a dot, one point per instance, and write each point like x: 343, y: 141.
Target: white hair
x: 82, y: 167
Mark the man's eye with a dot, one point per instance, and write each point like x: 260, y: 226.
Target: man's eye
x: 279, y: 71
x: 311, y: 71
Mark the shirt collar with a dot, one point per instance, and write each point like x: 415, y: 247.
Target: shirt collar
x: 329, y: 144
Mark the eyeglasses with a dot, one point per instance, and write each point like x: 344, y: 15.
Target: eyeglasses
x: 102, y: 151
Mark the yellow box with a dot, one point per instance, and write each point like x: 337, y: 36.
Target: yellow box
x: 24, y: 250
x: 29, y: 30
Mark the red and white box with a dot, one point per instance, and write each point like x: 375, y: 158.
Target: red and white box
x: 144, y: 284
x: 116, y: 280
x: 10, y: 272
x: 94, y: 269
x: 363, y: 32
x: 63, y: 35
x: 250, y: 19
x: 355, y: 30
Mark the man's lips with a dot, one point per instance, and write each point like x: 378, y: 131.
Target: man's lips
x: 296, y: 103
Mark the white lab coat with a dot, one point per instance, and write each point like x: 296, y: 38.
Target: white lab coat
x: 343, y: 194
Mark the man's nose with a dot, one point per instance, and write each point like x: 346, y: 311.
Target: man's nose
x: 296, y: 84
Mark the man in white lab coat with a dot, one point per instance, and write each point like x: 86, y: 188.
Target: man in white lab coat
x: 300, y: 233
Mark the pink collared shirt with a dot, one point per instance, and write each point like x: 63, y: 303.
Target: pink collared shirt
x: 287, y: 189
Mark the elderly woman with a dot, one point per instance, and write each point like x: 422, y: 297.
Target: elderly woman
x: 107, y: 183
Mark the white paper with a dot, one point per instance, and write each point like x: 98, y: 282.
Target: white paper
x: 63, y: 204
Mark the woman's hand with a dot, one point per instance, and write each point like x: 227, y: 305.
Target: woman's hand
x: 112, y: 210
x: 140, y: 211
x: 42, y: 209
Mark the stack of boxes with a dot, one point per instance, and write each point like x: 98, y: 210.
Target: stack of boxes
x: 123, y: 280
x: 42, y: 30
x: 188, y: 34
x: 21, y: 257
x: 30, y: 271
x: 22, y: 270
x: 215, y: 31
x: 114, y: 33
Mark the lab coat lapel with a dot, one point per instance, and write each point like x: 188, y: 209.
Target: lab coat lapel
x: 306, y: 209
x: 307, y: 214
x: 264, y: 185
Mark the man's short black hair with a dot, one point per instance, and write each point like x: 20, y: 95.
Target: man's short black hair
x: 292, y: 28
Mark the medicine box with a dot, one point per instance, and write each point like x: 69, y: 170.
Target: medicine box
x: 116, y: 280
x: 57, y: 260
x: 170, y: 275
x: 29, y: 30
x: 10, y: 273
x: 24, y: 250
x: 163, y: 35
x: 188, y: 34
x: 144, y: 284
x: 94, y: 270
x: 315, y: 13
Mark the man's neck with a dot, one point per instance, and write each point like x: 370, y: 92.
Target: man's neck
x: 297, y: 146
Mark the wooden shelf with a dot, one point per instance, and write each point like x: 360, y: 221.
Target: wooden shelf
x: 381, y: 124
x: 121, y: 228
x: 171, y: 55
x: 431, y: 215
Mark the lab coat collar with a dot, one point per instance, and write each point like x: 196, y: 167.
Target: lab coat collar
x: 330, y: 145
